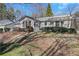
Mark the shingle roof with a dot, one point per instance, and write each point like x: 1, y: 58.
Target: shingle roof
x: 54, y: 18
x: 5, y: 22
x: 8, y: 22
x: 27, y: 17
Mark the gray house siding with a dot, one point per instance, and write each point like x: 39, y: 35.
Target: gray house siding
x: 25, y: 22
x: 37, y: 23
x: 66, y: 24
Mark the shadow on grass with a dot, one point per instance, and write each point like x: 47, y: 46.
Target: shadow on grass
x: 55, y: 47
x: 6, y: 47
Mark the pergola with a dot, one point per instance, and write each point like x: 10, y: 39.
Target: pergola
x: 3, y: 24
x: 2, y: 27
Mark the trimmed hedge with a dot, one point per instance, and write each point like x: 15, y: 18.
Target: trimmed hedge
x: 58, y: 29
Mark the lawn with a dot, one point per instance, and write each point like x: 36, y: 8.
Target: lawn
x: 43, y: 42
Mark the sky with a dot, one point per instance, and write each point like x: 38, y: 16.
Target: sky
x: 57, y: 8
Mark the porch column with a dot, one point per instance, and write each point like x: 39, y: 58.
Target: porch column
x: 60, y: 24
x: 54, y: 24
x: 3, y: 29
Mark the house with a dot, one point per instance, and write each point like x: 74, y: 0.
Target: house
x: 38, y: 23
x: 22, y: 23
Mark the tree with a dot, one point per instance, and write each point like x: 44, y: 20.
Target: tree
x: 70, y: 10
x: 2, y: 11
x: 6, y: 14
x: 40, y: 10
x: 35, y: 15
x: 76, y: 14
x: 49, y: 10
x: 18, y: 13
x: 10, y: 14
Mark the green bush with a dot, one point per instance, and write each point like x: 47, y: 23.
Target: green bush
x: 1, y: 30
x: 58, y: 29
x: 7, y: 29
x: 72, y: 30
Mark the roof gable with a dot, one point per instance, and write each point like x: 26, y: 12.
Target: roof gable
x: 27, y: 17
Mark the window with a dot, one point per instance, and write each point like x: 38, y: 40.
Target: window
x: 62, y: 23
x: 45, y: 23
x: 23, y: 23
x: 29, y: 22
x: 57, y: 23
x: 36, y: 24
x: 26, y: 24
x: 51, y: 23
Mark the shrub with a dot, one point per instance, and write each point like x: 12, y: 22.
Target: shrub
x: 1, y: 30
x: 63, y: 30
x: 72, y: 30
x: 58, y: 29
x: 7, y: 29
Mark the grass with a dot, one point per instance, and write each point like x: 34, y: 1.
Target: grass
x: 19, y: 51
x: 14, y: 52
x: 23, y: 50
x: 34, y: 48
x: 74, y: 46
